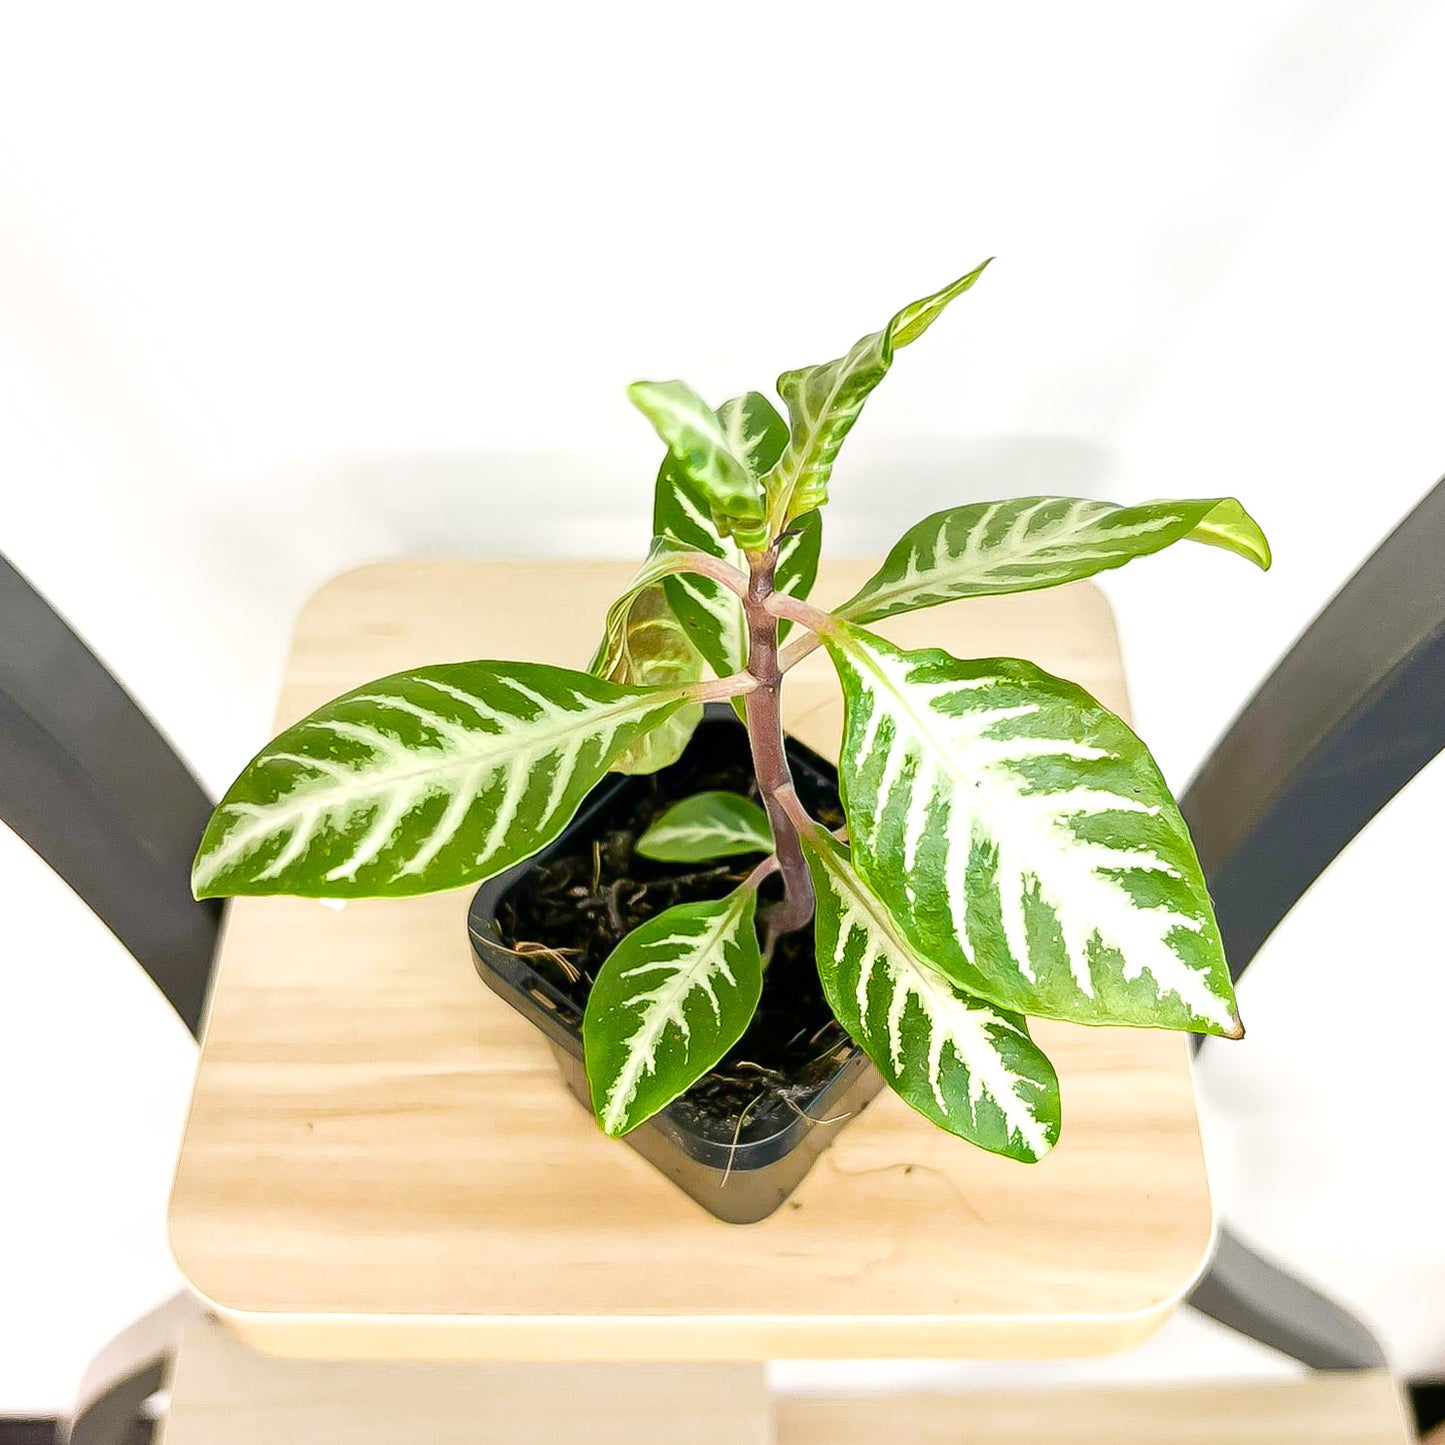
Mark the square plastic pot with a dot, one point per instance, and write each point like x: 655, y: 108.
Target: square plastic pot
x: 740, y: 1182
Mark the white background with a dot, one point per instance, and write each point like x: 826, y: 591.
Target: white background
x: 288, y: 288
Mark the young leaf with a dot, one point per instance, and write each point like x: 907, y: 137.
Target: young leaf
x: 665, y: 557
x: 712, y: 614
x: 697, y: 443
x: 1023, y: 840
x: 824, y: 401
x: 422, y: 781
x: 650, y: 648
x: 706, y: 826
x: 755, y: 433
x: 673, y: 997
x: 968, y: 1066
x: 1032, y: 542
x: 643, y: 643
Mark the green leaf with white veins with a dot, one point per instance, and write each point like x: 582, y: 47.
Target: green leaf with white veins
x: 1032, y: 542
x: 824, y: 401
x: 673, y: 997
x: 712, y: 614
x: 706, y: 826
x: 1023, y: 840
x: 422, y: 781
x: 967, y: 1065
x: 697, y: 442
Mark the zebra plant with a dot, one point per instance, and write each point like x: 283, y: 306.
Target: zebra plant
x: 1011, y: 848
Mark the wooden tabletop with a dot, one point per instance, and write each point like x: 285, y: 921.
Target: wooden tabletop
x: 223, y: 1394
x: 382, y: 1163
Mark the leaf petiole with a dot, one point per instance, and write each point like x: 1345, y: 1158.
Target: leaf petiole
x: 720, y: 571
x: 720, y: 689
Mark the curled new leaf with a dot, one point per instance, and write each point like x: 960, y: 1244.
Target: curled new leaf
x: 711, y: 614
x: 422, y: 781
x: 706, y: 826
x: 643, y: 643
x: 1032, y: 542
x: 824, y: 401
x: 698, y: 444
x: 653, y: 650
x: 666, y: 557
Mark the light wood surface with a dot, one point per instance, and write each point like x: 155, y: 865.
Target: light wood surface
x: 1322, y: 1409
x: 224, y: 1394
x: 381, y: 1162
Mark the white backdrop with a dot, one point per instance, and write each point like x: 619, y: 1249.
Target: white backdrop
x: 285, y: 288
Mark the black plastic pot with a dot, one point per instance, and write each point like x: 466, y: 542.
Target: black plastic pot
x: 739, y: 1181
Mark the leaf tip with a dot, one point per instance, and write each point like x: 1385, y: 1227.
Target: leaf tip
x: 969, y: 277
x: 1229, y: 525
x: 616, y: 1122
x: 200, y: 889
x: 1253, y: 543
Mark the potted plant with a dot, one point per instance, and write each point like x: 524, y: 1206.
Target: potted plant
x: 994, y: 845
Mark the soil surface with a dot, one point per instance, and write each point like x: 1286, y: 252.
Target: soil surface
x: 571, y: 912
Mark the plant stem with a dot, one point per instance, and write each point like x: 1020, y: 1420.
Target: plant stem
x: 770, y: 761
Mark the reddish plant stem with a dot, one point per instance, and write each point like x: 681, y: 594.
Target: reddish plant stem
x: 717, y: 569
x: 770, y: 761
x: 814, y: 619
x: 721, y: 689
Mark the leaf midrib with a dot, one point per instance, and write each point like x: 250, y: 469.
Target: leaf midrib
x: 819, y: 418
x: 939, y: 575
x: 283, y: 810
x: 656, y: 1018
x: 945, y: 998
x: 864, y: 659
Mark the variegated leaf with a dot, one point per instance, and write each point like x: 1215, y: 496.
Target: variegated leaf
x: 967, y: 1065
x: 711, y: 613
x: 673, y: 997
x: 1024, y: 841
x: 422, y: 781
x: 643, y: 643
x: 651, y: 649
x: 666, y: 557
x: 706, y: 826
x: 824, y: 401
x: 698, y: 444
x: 754, y: 431
x: 1032, y: 542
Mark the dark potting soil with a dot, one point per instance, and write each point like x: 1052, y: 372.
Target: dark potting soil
x: 569, y: 914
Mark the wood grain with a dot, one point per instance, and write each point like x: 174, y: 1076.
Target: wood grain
x: 224, y: 1394
x: 380, y: 1160
x: 1323, y: 1409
